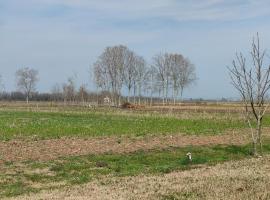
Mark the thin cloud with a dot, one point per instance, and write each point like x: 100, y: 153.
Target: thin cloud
x: 193, y: 10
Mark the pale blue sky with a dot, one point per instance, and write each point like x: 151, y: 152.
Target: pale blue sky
x: 64, y: 37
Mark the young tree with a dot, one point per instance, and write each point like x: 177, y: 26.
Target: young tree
x: 252, y: 82
x: 82, y: 93
x: 26, y: 81
x: 56, y: 92
x: 69, y: 90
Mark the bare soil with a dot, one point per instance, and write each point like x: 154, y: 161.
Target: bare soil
x: 21, y: 150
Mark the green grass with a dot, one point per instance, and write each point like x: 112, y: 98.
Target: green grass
x: 43, y: 125
x: 19, y: 178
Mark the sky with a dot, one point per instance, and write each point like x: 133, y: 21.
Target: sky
x: 63, y: 38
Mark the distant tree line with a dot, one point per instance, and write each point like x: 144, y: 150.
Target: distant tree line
x: 56, y: 97
x: 87, y: 98
x: 117, y: 71
x: 119, y: 67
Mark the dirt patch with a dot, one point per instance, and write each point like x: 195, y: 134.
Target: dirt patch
x: 20, y: 150
x: 245, y: 179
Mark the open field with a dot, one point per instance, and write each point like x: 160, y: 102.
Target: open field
x: 43, y: 125
x: 46, y: 150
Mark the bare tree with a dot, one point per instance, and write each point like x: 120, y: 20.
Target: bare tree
x: 83, y: 93
x: 56, y: 92
x: 159, y: 62
x: 101, y: 76
x: 150, y: 84
x: 177, y: 65
x: 26, y: 81
x: 168, y: 74
x: 110, y: 67
x: 252, y: 83
x: 69, y: 90
x: 140, y: 74
x: 130, y: 72
x: 187, y: 75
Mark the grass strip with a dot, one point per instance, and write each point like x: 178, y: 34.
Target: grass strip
x: 42, y: 125
x: 33, y: 176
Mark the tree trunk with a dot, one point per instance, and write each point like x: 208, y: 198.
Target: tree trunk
x: 254, y: 148
x: 259, y: 130
x: 174, y: 95
x: 140, y: 94
x: 128, y: 94
x: 167, y: 89
x: 257, y: 138
x: 151, y: 98
x: 163, y: 90
x: 181, y: 94
x: 119, y: 100
x: 134, y: 94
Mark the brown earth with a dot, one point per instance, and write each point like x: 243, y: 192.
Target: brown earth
x: 247, y: 179
x: 21, y: 150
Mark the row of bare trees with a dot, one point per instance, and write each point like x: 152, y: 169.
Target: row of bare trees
x: 68, y: 92
x: 173, y: 71
x: 118, y: 67
x: 26, y: 81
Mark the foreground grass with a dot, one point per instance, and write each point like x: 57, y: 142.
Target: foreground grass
x: 245, y: 179
x: 33, y: 176
x: 43, y: 125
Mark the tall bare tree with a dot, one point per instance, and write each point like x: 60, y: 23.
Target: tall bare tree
x: 252, y: 82
x: 26, y: 81
x: 140, y: 74
x: 150, y: 84
x: 100, y: 75
x: 130, y: 72
x: 110, y: 68
x: 177, y: 65
x: 168, y: 74
x: 187, y: 75
x: 159, y: 62
x: 173, y: 70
